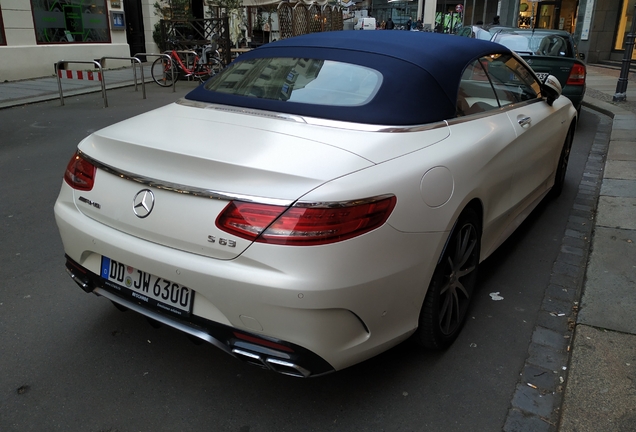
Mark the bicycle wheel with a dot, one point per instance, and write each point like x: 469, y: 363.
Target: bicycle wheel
x: 209, y: 69
x: 215, y: 66
x: 162, y: 72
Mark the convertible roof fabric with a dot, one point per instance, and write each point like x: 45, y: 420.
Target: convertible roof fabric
x: 421, y: 73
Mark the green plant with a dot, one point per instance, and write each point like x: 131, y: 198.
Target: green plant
x: 225, y: 4
x: 167, y: 10
x: 156, y: 33
x: 173, y: 9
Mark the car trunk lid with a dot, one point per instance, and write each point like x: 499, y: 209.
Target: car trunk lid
x: 194, y: 161
x: 193, y: 167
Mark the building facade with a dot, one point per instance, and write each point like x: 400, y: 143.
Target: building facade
x: 36, y: 34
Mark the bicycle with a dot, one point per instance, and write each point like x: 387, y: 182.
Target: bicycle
x: 213, y: 49
x: 203, y: 65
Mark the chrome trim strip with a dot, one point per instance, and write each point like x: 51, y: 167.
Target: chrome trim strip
x: 223, y: 196
x: 341, y: 204
x: 314, y: 121
x: 506, y: 108
x: 183, y: 189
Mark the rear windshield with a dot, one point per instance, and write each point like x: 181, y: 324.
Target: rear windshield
x: 308, y: 81
x: 537, y: 44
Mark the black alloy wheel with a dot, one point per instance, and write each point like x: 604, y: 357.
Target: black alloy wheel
x: 562, y: 167
x: 451, y: 288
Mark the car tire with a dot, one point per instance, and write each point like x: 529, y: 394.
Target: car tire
x: 562, y: 167
x: 451, y: 288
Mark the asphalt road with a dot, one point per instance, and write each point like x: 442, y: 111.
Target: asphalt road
x: 70, y: 361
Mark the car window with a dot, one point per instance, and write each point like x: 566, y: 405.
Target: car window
x: 465, y: 32
x: 518, y: 43
x: 483, y: 34
x: 536, y: 44
x: 476, y: 93
x: 513, y: 81
x: 308, y: 81
x: 553, y: 45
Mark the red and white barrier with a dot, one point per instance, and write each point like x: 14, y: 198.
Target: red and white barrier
x: 82, y: 75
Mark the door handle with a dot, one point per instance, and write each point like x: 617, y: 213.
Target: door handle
x: 524, y: 121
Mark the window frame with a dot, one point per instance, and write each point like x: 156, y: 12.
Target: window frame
x: 69, y: 37
x: 3, y: 36
x: 493, y: 81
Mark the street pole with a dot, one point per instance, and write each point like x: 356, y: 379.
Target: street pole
x: 621, y: 86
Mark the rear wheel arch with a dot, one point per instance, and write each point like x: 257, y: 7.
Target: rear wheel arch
x: 478, y: 207
x: 451, y: 287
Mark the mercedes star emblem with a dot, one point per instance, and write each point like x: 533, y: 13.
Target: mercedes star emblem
x: 143, y: 203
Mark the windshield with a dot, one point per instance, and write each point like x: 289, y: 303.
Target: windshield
x: 537, y: 44
x: 307, y: 81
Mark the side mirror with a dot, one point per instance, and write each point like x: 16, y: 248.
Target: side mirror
x: 551, y: 89
x: 582, y: 56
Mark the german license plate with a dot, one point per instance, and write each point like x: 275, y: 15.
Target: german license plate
x: 143, y: 287
x: 542, y: 76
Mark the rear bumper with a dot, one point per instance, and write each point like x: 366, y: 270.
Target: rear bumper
x: 280, y: 356
x: 335, y: 305
x: 575, y: 94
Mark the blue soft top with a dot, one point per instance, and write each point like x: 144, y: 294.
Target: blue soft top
x: 421, y: 73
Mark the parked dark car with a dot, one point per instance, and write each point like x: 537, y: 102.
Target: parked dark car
x: 483, y: 32
x: 549, y: 52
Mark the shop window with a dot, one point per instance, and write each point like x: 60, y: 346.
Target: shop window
x: 3, y: 39
x: 70, y: 21
x: 624, y: 25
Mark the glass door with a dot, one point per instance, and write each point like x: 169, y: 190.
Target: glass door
x: 548, y: 14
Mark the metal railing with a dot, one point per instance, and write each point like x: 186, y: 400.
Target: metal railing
x: 134, y: 60
x: 97, y: 64
x: 63, y: 64
x: 169, y: 59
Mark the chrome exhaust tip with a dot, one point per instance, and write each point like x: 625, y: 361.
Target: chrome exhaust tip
x: 280, y: 366
x: 251, y: 358
x: 287, y: 368
x: 82, y: 282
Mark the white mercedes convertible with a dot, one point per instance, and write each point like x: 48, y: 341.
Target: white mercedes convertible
x: 322, y: 199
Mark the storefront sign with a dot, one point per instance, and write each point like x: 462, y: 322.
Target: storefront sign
x: 587, y: 20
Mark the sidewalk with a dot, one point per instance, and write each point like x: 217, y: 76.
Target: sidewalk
x: 598, y: 391
x: 15, y: 93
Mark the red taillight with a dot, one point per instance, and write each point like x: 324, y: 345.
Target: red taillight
x: 577, y: 75
x: 304, y: 225
x: 80, y: 174
x: 263, y: 342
